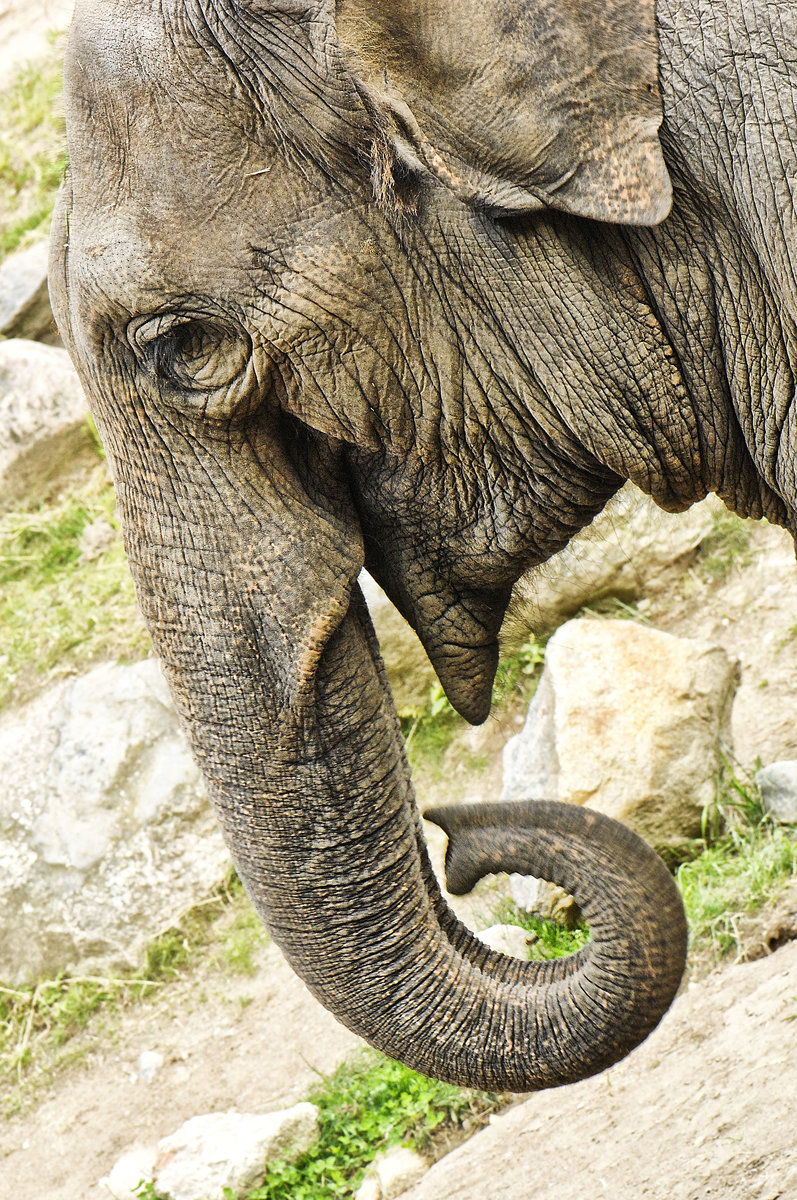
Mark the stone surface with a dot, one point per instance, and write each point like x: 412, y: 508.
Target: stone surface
x: 134, y: 1167
x: 369, y: 1189
x: 624, y: 548
x: 508, y: 939
x: 230, y: 1150
x: 25, y: 310
x: 391, y: 1174
x: 148, y: 1065
x: 778, y: 783
x: 44, y: 436
x: 106, y: 835
x: 627, y: 720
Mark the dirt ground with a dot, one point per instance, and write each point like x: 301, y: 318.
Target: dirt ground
x: 703, y: 1109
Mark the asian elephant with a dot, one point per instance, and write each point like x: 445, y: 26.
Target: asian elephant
x: 417, y: 284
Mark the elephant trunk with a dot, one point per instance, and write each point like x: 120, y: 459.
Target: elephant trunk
x: 330, y: 850
x: 274, y: 664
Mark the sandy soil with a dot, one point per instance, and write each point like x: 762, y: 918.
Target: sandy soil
x: 253, y: 1044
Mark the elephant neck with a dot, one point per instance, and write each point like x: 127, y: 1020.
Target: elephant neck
x: 721, y: 271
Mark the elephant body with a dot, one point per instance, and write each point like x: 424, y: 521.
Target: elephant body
x: 395, y: 285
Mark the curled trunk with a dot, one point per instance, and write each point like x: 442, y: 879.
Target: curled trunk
x: 333, y: 856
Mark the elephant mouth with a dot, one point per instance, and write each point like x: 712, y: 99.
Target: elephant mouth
x: 459, y: 634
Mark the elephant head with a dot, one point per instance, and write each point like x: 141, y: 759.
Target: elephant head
x: 380, y: 284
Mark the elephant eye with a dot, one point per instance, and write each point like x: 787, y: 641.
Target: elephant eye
x: 195, y: 356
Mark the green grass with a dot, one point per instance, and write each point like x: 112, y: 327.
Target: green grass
x: 726, y: 547
x: 547, y: 939
x: 745, y: 860
x: 366, y: 1106
x: 32, y: 151
x: 58, y: 612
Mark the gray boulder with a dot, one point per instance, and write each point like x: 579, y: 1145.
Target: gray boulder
x: 44, y: 436
x: 25, y: 310
x: 778, y: 783
x: 106, y: 835
x: 627, y: 720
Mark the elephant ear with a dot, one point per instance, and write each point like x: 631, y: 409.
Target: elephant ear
x: 517, y: 105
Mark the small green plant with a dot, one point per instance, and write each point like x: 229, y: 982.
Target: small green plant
x: 146, y: 1191
x: 726, y: 546
x: 368, y: 1105
x: 32, y: 151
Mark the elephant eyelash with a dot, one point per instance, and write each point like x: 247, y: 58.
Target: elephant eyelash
x: 191, y: 354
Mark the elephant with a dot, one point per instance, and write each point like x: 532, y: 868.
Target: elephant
x: 416, y: 285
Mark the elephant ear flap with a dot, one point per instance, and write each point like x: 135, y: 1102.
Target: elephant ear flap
x: 518, y: 105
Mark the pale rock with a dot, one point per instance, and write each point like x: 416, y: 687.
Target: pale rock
x: 134, y: 1167
x: 148, y: 1065
x: 778, y: 783
x: 627, y: 720
x: 397, y: 1170
x: 627, y: 545
x: 507, y: 939
x: 369, y: 1189
x: 106, y: 835
x: 44, y: 435
x: 230, y: 1150
x: 95, y: 538
x: 25, y: 310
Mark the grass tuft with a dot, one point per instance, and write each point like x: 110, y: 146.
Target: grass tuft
x: 58, y: 611
x: 547, y: 939
x: 32, y: 151
x: 745, y: 861
x: 367, y: 1106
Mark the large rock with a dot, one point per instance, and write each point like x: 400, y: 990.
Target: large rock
x: 25, y: 310
x: 105, y: 832
x: 627, y: 545
x: 626, y: 720
x: 44, y: 435
x: 230, y: 1150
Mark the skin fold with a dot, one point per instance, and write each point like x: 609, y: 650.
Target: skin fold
x: 417, y: 286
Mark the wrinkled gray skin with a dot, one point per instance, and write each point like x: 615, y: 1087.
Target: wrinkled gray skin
x: 392, y: 284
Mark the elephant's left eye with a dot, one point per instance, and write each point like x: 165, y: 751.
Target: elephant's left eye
x: 195, y: 357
